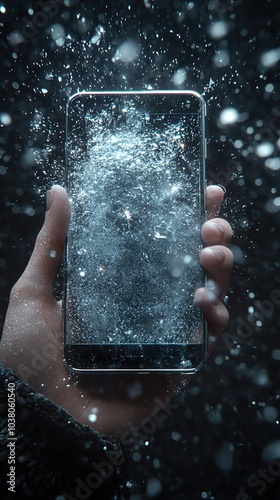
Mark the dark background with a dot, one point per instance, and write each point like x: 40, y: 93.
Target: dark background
x: 227, y: 427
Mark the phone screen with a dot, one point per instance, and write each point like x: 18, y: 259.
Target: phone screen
x: 135, y: 178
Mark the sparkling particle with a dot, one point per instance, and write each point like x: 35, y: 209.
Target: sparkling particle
x: 53, y: 254
x: 99, y: 32
x: 127, y: 214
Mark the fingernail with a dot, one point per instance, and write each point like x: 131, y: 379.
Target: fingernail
x: 49, y: 200
x: 220, y: 256
x: 216, y: 227
x: 222, y: 187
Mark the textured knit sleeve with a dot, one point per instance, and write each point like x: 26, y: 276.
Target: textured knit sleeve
x: 49, y: 455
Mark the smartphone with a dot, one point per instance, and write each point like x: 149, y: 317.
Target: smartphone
x: 136, y: 182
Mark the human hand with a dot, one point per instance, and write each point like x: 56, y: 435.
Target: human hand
x: 32, y: 341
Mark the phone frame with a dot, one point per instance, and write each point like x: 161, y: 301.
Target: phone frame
x: 79, y: 356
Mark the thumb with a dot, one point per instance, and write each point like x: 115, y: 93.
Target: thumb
x: 42, y: 266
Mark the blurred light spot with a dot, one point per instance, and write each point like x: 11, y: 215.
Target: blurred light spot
x: 270, y: 58
x: 219, y: 360
x: 270, y: 413
x: 271, y: 452
x: 93, y: 415
x: 261, y: 377
x: 218, y: 30
x: 154, y: 487
x: 92, y: 418
x: 127, y: 52
x: 134, y: 390
x: 2, y: 9
x: 136, y: 456
x: 15, y: 37
x: 224, y: 456
x: 229, y: 116
x: 214, y: 416
x: 212, y: 291
x: 276, y: 354
x: 265, y: 149
x: 273, y: 206
x: 29, y: 211
x: 269, y: 87
x: 156, y: 463
x: 238, y: 144
x: 53, y: 254
x: 58, y: 34
x: 5, y: 119
x: 273, y: 163
x: 176, y: 436
x: 177, y: 267
x: 179, y: 77
x: 221, y: 58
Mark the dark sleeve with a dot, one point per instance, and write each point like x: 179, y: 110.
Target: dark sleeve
x: 53, y: 457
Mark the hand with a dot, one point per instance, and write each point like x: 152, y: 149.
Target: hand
x: 32, y: 341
